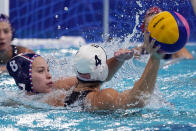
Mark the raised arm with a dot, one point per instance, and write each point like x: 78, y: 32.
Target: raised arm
x: 144, y: 87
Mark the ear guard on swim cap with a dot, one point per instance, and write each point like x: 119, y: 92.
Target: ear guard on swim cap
x: 91, y: 59
x: 20, y: 68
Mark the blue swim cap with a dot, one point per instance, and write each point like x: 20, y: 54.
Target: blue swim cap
x: 20, y: 68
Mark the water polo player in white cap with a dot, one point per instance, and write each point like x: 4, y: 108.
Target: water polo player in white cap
x: 92, y: 70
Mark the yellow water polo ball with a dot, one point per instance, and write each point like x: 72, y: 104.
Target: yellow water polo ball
x: 171, y: 31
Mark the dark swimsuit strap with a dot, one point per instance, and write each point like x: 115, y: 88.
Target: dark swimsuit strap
x: 14, y: 50
x: 76, y: 96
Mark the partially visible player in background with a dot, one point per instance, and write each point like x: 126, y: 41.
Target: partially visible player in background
x: 150, y: 13
x: 7, y: 50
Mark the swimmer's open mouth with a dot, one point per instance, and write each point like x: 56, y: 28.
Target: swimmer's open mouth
x: 50, y: 84
x: 2, y: 43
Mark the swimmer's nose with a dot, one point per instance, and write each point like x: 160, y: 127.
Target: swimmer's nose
x: 48, y: 75
x: 2, y: 35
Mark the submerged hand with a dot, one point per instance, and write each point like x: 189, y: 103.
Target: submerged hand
x: 123, y: 54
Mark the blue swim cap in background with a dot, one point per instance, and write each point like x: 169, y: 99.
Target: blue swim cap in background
x: 20, y: 68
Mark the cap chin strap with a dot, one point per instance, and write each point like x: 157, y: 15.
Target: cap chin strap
x: 21, y: 86
x: 87, y: 80
x: 25, y: 87
x: 99, y: 74
x: 82, y: 78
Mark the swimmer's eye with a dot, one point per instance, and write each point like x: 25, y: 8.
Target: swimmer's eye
x: 6, y: 31
x: 41, y: 71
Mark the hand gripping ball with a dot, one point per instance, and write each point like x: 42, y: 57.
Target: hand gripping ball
x: 171, y: 31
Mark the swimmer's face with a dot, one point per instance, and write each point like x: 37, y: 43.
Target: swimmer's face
x: 41, y: 78
x: 5, y: 35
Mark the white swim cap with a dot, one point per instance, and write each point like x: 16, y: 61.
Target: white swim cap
x: 91, y: 59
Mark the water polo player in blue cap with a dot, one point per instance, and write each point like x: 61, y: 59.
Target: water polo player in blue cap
x: 7, y: 51
x: 30, y: 72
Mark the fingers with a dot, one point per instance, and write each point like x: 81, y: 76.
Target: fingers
x: 156, y: 49
x: 149, y: 46
x: 123, y: 54
x: 152, y: 43
x: 146, y: 37
x: 130, y: 54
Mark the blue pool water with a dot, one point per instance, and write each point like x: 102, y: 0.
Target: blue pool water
x: 173, y: 105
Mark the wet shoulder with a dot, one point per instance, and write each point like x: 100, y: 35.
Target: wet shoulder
x: 106, y: 95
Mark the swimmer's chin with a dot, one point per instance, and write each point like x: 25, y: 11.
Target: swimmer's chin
x: 49, y: 87
x: 48, y: 90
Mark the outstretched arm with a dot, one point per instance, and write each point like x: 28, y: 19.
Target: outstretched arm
x: 144, y: 87
x: 147, y: 81
x: 117, y: 61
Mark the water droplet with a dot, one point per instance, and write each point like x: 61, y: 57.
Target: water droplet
x: 66, y: 8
